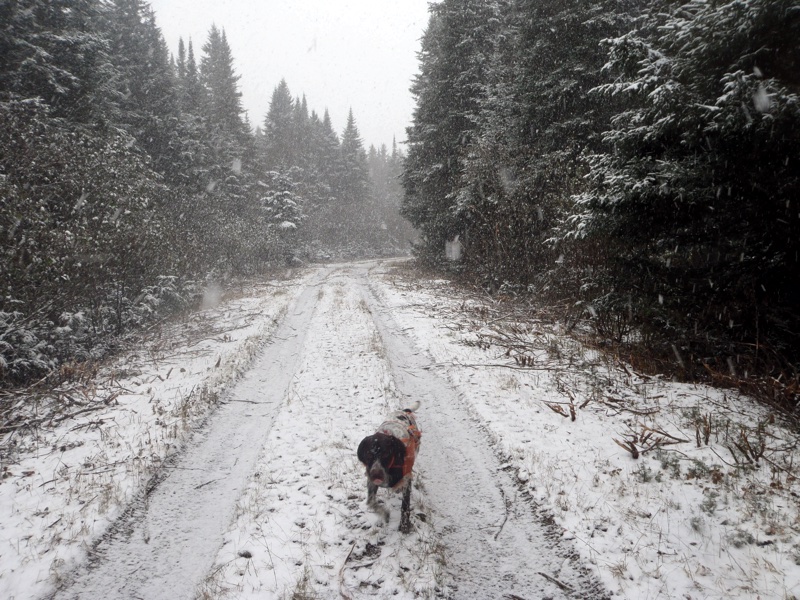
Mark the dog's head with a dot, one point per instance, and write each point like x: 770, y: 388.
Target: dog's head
x: 383, y: 456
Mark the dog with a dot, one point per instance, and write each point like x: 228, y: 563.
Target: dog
x: 389, y: 455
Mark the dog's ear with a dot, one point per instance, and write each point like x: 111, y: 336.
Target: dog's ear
x: 367, y: 450
x: 397, y: 450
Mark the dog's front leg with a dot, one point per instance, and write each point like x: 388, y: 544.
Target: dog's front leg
x: 372, y: 502
x: 405, y: 509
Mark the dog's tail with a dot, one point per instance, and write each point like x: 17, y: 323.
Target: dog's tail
x: 413, y: 406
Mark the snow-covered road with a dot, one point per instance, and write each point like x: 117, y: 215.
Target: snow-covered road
x: 165, y: 543
x: 267, y: 500
x: 216, y: 458
x: 496, y: 543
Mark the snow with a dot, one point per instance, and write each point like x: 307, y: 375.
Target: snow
x: 302, y: 527
x: 249, y: 412
x: 64, y: 486
x: 761, y: 99
x: 680, y: 522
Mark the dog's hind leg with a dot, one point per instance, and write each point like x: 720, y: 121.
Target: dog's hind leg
x: 405, y: 509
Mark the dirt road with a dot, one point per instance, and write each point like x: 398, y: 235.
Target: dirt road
x: 267, y: 500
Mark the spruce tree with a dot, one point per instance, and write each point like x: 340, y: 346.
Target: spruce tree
x: 536, y: 122
x: 223, y: 103
x: 55, y: 51
x: 193, y: 95
x: 329, y: 150
x: 148, y: 101
x: 301, y: 137
x: 448, y: 90
x: 354, y: 173
x: 278, y: 129
x: 697, y: 188
x: 224, y: 200
x: 80, y: 237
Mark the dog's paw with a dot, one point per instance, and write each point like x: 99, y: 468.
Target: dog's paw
x: 383, y: 512
x: 377, y: 515
x: 405, y: 525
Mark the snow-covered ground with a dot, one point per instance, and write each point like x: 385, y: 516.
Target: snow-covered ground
x: 709, y: 509
x: 67, y: 480
x: 218, y: 460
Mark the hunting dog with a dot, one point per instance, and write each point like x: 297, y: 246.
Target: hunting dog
x: 389, y: 454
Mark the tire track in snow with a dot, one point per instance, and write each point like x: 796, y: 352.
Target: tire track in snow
x: 302, y: 529
x: 497, y: 544
x: 165, y: 543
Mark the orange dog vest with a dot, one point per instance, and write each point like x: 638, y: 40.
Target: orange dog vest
x: 404, y: 428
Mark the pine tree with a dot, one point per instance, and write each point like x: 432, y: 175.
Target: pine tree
x: 278, y: 129
x: 55, y: 52
x: 354, y: 173
x: 696, y: 192
x: 148, y: 101
x: 448, y: 90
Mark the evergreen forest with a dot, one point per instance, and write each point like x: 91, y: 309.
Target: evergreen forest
x: 633, y: 163
x: 130, y: 178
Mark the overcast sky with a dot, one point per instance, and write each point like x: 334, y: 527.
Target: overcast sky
x: 339, y: 53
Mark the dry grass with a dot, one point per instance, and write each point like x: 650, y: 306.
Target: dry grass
x: 735, y: 458
x: 110, y: 426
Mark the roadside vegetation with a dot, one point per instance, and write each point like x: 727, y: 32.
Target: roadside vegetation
x: 130, y: 179
x: 668, y: 489
x: 633, y: 163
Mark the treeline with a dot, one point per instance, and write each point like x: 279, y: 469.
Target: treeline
x: 129, y: 177
x: 352, y: 197
x: 636, y: 161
